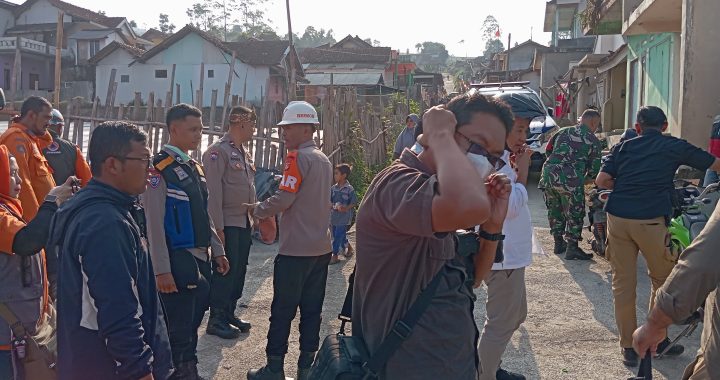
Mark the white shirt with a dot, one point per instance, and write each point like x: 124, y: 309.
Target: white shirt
x: 517, y: 228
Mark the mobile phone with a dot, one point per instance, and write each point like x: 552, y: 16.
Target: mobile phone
x: 75, y: 185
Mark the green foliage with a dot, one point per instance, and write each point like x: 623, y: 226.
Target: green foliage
x: 398, y: 101
x: 230, y: 18
x: 313, y: 37
x: 354, y: 154
x: 492, y: 47
x: 164, y: 24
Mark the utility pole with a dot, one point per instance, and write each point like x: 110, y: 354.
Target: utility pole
x: 290, y: 33
x: 58, y: 58
x: 291, y: 48
x: 507, y: 60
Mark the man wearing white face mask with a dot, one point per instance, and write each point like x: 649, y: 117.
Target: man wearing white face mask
x: 506, y: 306
x: 404, y: 240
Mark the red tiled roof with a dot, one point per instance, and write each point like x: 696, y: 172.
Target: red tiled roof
x: 256, y: 52
x: 154, y: 33
x: 76, y: 11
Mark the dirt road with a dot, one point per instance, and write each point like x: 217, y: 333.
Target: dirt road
x: 570, y: 331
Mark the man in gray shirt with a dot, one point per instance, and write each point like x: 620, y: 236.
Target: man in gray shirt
x: 404, y: 238
x: 406, y: 139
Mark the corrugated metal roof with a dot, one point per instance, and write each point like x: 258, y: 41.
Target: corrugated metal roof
x: 345, y: 79
x: 91, y: 34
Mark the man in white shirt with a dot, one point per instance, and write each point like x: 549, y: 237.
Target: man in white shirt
x: 506, y: 294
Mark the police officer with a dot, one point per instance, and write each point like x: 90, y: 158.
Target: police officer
x: 179, y: 233
x: 64, y: 157
x: 301, y: 266
x: 573, y: 160
x: 231, y: 184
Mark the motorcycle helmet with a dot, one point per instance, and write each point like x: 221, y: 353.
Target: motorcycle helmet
x: 523, y: 105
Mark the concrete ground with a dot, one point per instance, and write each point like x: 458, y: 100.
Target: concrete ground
x: 570, y: 332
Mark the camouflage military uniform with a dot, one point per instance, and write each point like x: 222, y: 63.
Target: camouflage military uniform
x: 573, y: 156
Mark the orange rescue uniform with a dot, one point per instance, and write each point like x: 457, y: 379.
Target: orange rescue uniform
x: 35, y: 172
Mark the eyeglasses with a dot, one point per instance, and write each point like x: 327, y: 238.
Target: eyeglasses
x: 147, y: 160
x: 496, y: 161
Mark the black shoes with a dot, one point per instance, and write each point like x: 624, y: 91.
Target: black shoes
x: 305, y: 361
x: 675, y: 350
x: 502, y: 374
x: 232, y: 319
x: 219, y: 326
x: 630, y: 357
x: 272, y: 371
x: 186, y: 371
x: 560, y: 245
x: 574, y: 252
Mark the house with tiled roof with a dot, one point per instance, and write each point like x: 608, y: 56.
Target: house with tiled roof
x: 27, y: 45
x: 262, y: 69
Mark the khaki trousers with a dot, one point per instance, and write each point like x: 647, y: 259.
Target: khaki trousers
x: 625, y: 238
x: 697, y: 370
x: 506, y: 310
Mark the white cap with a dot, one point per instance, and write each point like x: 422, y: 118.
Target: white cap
x: 299, y: 112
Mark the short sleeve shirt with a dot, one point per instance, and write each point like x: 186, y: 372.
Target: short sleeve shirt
x: 398, y: 254
x: 344, y: 195
x: 644, y: 168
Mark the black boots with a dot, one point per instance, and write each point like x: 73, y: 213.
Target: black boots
x: 272, y: 371
x: 560, y: 245
x: 574, y: 252
x: 186, y: 371
x: 233, y: 320
x: 218, y: 325
x: 305, y: 361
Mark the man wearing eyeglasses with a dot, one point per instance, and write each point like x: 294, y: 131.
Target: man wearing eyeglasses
x: 573, y: 160
x: 231, y: 184
x: 404, y: 238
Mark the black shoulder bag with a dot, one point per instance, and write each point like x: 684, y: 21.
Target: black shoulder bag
x: 343, y: 357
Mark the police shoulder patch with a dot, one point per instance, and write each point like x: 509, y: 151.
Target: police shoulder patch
x: 154, y: 179
x: 53, y: 147
x: 214, y: 156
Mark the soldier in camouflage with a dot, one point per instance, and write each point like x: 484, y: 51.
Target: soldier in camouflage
x: 573, y: 160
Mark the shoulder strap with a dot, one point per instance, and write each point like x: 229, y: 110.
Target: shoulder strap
x: 17, y: 328
x: 403, y: 327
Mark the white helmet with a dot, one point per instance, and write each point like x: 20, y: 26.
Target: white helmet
x: 299, y: 112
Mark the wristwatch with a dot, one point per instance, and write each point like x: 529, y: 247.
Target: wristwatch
x: 491, y: 237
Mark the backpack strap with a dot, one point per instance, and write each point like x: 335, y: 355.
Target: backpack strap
x: 402, y: 328
x: 17, y: 328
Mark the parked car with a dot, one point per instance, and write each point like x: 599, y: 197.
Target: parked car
x: 541, y: 128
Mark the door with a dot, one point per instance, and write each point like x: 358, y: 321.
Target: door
x: 34, y: 81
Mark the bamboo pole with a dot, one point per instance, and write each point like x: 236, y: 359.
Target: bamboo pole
x: 228, y: 88
x: 213, y: 109
x: 58, y: 58
x: 109, y: 96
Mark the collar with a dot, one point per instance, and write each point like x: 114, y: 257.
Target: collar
x: 506, y: 157
x: 114, y: 194
x: 307, y: 144
x: 652, y: 132
x: 177, y: 154
x: 584, y: 128
x: 347, y: 184
x: 42, y: 141
x: 411, y: 159
x: 227, y: 138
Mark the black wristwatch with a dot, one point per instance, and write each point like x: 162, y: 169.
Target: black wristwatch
x: 491, y: 237
x: 51, y: 198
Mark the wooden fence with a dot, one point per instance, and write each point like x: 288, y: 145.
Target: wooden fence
x: 338, y: 112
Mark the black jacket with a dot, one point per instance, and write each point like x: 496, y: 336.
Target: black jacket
x: 110, y: 322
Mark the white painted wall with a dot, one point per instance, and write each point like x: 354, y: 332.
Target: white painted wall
x: 42, y: 12
x: 187, y: 54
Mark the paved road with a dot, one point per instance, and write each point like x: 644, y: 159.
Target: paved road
x: 570, y: 331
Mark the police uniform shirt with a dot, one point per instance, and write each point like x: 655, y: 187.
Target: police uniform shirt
x: 153, y: 201
x: 230, y: 175
x: 304, y: 200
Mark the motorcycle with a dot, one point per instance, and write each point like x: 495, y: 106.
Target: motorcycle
x: 689, y: 219
x: 598, y: 219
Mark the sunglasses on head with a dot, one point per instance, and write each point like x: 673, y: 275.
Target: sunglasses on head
x: 496, y: 161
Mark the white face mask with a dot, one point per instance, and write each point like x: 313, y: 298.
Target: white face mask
x: 481, y: 164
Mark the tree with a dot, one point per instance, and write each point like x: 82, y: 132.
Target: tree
x: 436, y: 51
x: 220, y: 17
x: 165, y: 25
x: 372, y: 42
x: 133, y: 24
x: 418, y: 47
x: 492, y: 47
x: 313, y: 37
x: 203, y: 17
x: 490, y: 28
x: 102, y: 13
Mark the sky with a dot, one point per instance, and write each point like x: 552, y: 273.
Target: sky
x: 399, y: 24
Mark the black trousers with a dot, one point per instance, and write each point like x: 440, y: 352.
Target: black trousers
x: 226, y: 290
x: 297, y: 282
x: 184, y: 312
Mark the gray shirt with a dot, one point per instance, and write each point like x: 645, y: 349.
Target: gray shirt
x: 695, y: 279
x: 398, y: 253
x: 344, y: 195
x: 304, y: 200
